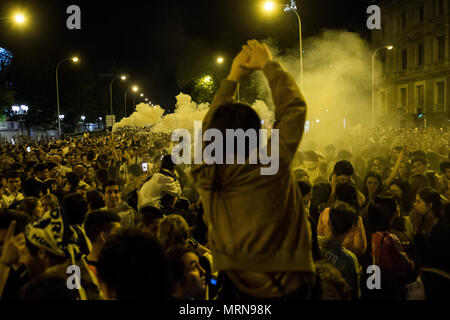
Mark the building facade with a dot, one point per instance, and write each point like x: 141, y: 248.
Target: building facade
x: 414, y: 76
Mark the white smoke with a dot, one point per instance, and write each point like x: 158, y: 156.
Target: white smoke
x: 186, y: 112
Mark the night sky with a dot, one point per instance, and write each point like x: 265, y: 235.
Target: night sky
x: 145, y: 39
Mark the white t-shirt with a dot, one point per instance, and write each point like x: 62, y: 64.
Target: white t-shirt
x: 153, y: 190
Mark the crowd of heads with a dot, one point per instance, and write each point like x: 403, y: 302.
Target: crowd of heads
x: 390, y: 181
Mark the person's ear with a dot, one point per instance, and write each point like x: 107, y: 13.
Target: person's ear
x: 102, y: 237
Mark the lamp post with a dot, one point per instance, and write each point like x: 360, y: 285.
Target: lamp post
x: 389, y: 47
x: 134, y: 88
x: 74, y: 59
x: 123, y: 78
x: 269, y: 6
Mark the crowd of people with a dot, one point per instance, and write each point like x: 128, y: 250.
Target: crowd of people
x: 135, y: 225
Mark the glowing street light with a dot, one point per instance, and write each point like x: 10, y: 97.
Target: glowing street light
x: 15, y: 109
x: 270, y: 6
x: 388, y: 47
x: 19, y: 18
x: 219, y: 60
x: 83, y: 118
x: 141, y: 94
x: 135, y: 89
x: 61, y: 117
x: 123, y: 78
x: 75, y: 60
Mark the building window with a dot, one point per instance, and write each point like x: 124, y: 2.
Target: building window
x: 420, y: 96
x: 403, y: 20
x: 440, y: 48
x: 439, y: 87
x: 404, y: 58
x: 403, y: 99
x: 383, y: 102
x: 421, y: 13
x: 420, y: 54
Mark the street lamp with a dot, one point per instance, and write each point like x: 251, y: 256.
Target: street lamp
x: 61, y: 117
x: 75, y: 60
x: 83, y: 118
x: 122, y: 77
x: 388, y: 47
x: 219, y: 60
x: 134, y: 88
x: 18, y: 18
x: 134, y: 99
x: 269, y: 6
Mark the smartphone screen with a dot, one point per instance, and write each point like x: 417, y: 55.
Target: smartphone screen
x: 144, y: 166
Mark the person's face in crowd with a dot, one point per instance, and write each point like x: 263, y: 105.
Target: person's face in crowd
x: 418, y: 167
x: 35, y: 265
x: 194, y: 277
x: 38, y: 210
x: 375, y: 168
x: 343, y: 178
x: 447, y: 174
x: 397, y: 191
x: 372, y: 185
x: 53, y: 174
x: 307, y: 198
x: 103, y: 236
x: 14, y: 184
x: 112, y: 196
x: 421, y: 206
x: 152, y: 229
x: 394, y: 155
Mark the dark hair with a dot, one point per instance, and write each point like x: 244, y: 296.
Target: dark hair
x: 380, y: 213
x: 99, y: 221
x: 74, y: 208
x: 167, y: 163
x: 73, y: 180
x: 9, y: 215
x: 175, y: 263
x: 134, y: 265
x: 235, y: 115
x: 51, y: 165
x: 429, y: 195
x: 48, y: 287
x: 12, y: 174
x: 407, y: 196
x: 135, y: 169
x: 444, y: 166
x: 347, y: 192
x: 111, y: 183
x: 148, y: 214
x: 102, y: 176
x: 342, y: 217
x: 305, y: 187
x: 32, y: 188
x: 94, y: 200
x: 343, y: 167
x: 320, y: 195
x: 423, y: 160
x: 40, y: 167
x: 379, y: 179
x: 28, y: 205
x: 418, y: 182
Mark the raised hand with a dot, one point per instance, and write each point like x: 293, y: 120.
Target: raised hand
x: 237, y: 71
x: 260, y: 55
